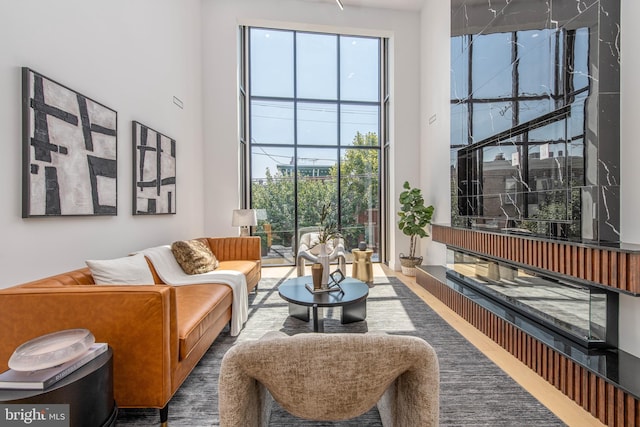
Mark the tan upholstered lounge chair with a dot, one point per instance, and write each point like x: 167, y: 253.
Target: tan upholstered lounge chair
x: 330, y: 377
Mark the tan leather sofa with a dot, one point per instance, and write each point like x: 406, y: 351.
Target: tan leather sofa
x: 158, y: 332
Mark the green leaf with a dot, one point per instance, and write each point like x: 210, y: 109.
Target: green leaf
x: 414, y: 215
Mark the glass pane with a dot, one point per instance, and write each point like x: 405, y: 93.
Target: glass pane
x: 359, y: 69
x: 317, y: 66
x: 359, y: 200
x: 358, y: 122
x: 598, y: 316
x: 578, y: 117
x: 459, y: 125
x: 306, y: 120
x: 581, y: 59
x: 459, y: 67
x: 316, y: 163
x: 502, y: 181
x: 578, y: 311
x: 272, y: 193
x: 553, y: 131
x: 271, y: 62
x: 317, y: 186
x: 576, y: 163
x: 529, y: 110
x: 490, y: 119
x: 492, y: 66
x: 537, y: 57
x: 547, y: 167
x: 464, y: 182
x: 271, y: 122
x: 317, y: 123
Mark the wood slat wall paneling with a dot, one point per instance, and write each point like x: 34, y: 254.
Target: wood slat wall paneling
x: 615, y: 269
x: 633, y: 272
x: 606, y: 402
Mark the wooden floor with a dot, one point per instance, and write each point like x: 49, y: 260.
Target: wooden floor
x: 564, y: 408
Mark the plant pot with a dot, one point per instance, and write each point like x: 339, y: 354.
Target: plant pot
x: 408, y: 265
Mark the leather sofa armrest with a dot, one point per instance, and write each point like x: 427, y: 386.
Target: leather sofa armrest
x: 235, y: 248
x: 137, y: 321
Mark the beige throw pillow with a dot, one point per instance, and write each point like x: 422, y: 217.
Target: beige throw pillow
x: 194, y: 256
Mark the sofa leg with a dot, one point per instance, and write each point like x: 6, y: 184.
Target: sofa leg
x: 164, y: 416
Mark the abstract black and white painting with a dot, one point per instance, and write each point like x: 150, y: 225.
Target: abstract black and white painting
x: 154, y: 169
x: 69, y: 151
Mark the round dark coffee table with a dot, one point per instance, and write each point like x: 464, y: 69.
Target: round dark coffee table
x: 353, y: 300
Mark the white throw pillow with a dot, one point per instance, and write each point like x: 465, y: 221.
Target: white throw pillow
x: 129, y: 270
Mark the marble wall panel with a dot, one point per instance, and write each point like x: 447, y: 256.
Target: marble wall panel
x: 535, y: 116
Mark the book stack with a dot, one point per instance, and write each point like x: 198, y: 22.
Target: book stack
x: 332, y: 288
x: 43, y: 378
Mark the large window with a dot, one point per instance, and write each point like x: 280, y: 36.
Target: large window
x: 314, y: 123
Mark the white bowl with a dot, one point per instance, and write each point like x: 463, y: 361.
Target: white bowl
x: 51, y: 349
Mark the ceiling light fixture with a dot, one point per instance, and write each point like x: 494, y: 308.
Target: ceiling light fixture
x: 340, y: 5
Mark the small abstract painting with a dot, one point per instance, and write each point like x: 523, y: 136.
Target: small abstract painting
x: 69, y: 151
x: 154, y: 171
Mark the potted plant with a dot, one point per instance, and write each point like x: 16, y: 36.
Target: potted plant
x: 328, y: 228
x: 414, y: 218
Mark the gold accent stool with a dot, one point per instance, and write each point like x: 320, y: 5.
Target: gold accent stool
x: 362, y: 267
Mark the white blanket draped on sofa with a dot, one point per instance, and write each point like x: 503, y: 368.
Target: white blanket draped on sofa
x: 172, y: 274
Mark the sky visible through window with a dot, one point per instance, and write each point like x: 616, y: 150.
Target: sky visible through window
x: 310, y: 89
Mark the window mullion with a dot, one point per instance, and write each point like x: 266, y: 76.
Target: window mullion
x: 338, y: 128
x: 295, y: 141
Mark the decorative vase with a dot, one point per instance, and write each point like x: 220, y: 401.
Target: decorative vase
x: 323, y: 259
x: 362, y: 246
x: 316, y: 273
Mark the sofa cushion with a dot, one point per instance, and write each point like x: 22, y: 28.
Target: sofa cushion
x: 198, y: 308
x: 194, y: 256
x: 250, y: 268
x: 129, y: 270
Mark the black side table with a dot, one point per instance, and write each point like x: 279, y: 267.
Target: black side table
x: 88, y: 391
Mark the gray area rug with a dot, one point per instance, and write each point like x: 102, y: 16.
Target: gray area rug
x: 473, y: 390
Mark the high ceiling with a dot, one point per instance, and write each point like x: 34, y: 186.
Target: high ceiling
x: 383, y: 4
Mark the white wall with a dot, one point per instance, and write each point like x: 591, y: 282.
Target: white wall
x: 629, y: 155
x: 435, y: 120
x: 132, y: 56
x: 220, y: 21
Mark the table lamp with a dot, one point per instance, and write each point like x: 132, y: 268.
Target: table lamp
x: 244, y: 218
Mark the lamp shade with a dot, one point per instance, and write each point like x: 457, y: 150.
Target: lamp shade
x: 244, y: 218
